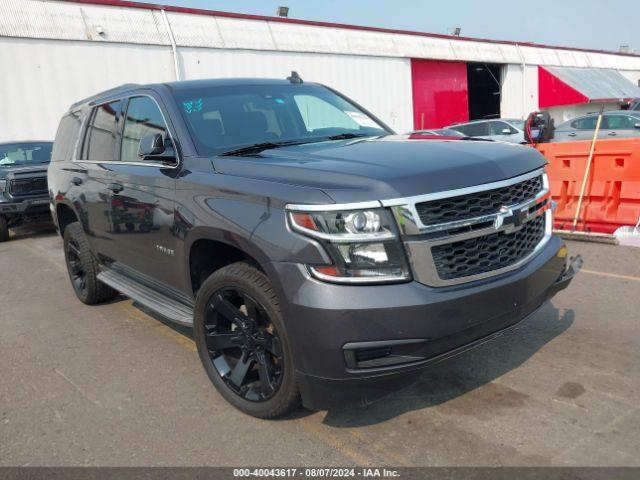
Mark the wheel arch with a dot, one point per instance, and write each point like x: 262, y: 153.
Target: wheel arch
x: 65, y: 214
x: 209, y: 249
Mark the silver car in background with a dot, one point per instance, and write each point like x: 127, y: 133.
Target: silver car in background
x: 618, y: 124
x: 497, y: 129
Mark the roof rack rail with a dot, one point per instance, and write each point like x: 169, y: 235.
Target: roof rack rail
x: 110, y: 91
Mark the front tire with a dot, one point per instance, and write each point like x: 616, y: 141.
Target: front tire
x: 83, y: 268
x: 4, y: 229
x: 243, y: 344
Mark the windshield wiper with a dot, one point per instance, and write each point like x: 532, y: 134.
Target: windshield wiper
x: 259, y: 147
x: 347, y: 136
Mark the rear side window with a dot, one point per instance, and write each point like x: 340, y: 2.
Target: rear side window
x: 496, y: 128
x: 143, y: 118
x: 619, y: 122
x: 101, y: 136
x: 66, y: 136
x: 587, y: 123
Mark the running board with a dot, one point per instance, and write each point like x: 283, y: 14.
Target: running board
x: 161, y: 304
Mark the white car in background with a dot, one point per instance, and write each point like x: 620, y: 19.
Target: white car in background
x: 497, y: 129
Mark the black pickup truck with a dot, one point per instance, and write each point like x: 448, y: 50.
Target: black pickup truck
x: 23, y: 184
x: 317, y: 255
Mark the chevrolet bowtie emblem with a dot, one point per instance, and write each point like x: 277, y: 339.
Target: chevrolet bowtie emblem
x: 509, y: 218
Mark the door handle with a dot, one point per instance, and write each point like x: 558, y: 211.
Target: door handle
x: 76, y: 181
x: 572, y: 134
x: 612, y: 134
x: 115, y: 187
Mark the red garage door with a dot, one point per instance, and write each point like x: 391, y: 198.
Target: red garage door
x: 440, y: 93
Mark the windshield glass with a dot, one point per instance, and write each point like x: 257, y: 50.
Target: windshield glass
x: 222, y: 119
x: 25, y: 153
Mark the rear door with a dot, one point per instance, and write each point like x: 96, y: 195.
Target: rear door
x: 619, y: 125
x: 143, y: 193
x: 91, y: 176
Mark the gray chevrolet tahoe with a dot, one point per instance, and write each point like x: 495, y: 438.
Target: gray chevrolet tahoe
x: 318, y: 256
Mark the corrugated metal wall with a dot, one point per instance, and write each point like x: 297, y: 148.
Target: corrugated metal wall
x: 382, y: 85
x: 46, y: 76
x: 59, y: 52
x: 70, y: 21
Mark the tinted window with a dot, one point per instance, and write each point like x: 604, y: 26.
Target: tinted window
x: 496, y: 128
x: 143, y: 118
x: 24, y: 153
x: 227, y: 117
x: 66, y: 136
x: 619, y: 122
x: 473, y: 129
x: 101, y: 135
x: 586, y: 123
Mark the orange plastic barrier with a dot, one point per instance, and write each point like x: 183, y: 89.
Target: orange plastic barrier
x: 612, y: 194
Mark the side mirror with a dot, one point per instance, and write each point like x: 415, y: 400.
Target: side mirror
x: 155, y: 147
x: 506, y: 131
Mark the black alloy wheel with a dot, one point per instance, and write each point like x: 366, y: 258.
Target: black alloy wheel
x: 243, y: 345
x: 76, y: 269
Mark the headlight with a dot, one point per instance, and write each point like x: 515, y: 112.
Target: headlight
x: 363, y: 245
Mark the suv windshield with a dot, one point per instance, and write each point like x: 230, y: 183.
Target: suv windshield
x: 222, y: 119
x: 25, y: 153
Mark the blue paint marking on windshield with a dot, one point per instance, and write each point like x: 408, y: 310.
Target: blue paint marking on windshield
x: 193, y: 106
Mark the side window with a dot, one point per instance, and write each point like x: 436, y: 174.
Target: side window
x: 318, y: 114
x: 100, y: 137
x: 496, y: 128
x: 474, y: 129
x: 143, y: 118
x: 66, y: 136
x: 619, y: 122
x: 586, y: 123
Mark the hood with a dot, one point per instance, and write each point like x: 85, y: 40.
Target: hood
x: 388, y: 167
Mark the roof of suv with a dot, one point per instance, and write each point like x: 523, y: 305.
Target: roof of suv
x: 184, y: 85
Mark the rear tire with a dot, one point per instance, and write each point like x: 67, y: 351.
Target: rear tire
x: 243, y: 344
x: 83, y: 268
x: 4, y: 229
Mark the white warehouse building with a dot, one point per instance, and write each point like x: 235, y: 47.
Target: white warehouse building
x: 57, y: 52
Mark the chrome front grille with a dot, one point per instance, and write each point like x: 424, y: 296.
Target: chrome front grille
x: 476, y: 232
x: 479, y: 255
x: 478, y: 203
x: 28, y: 186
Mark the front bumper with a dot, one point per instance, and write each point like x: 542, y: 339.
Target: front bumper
x: 27, y: 206
x: 326, y: 323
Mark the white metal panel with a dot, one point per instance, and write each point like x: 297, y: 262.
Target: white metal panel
x: 292, y: 37
x: 47, y: 76
x: 250, y: 34
x: 382, y: 85
x: 516, y: 102
x: 632, y: 75
x: 195, y: 30
x: 71, y: 21
x: 99, y: 23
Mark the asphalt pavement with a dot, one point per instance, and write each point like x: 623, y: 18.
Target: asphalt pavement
x: 112, y: 385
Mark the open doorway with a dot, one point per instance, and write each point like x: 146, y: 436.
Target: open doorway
x: 484, y: 84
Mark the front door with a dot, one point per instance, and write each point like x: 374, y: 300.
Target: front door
x: 143, y: 197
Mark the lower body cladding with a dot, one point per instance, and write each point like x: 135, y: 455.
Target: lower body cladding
x: 352, y: 344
